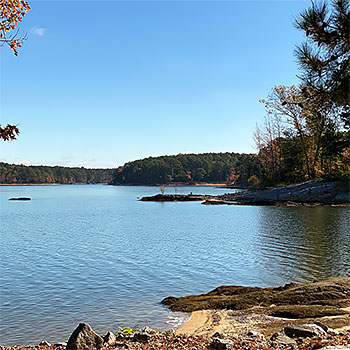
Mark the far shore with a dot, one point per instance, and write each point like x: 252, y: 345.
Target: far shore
x: 200, y: 184
x: 181, y: 184
x: 56, y: 184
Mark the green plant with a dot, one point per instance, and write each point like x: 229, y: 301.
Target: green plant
x: 125, y: 331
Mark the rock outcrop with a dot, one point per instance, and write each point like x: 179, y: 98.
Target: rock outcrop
x: 307, y: 193
x: 84, y: 338
x: 109, y: 338
x: 175, y: 198
x: 305, y: 330
x: 321, y: 298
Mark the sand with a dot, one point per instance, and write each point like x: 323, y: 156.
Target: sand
x: 208, y: 322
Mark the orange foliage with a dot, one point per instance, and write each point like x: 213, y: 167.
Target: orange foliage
x: 11, y: 13
x: 9, y: 133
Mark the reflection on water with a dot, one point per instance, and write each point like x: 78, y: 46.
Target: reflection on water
x: 95, y: 254
x: 306, y: 243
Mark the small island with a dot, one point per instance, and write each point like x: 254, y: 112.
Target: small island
x: 20, y: 199
x: 176, y: 198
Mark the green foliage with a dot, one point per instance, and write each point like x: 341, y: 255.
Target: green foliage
x: 189, y: 169
x: 324, y: 57
x: 125, y: 331
x: 303, y: 137
x: 21, y: 174
x: 255, y: 182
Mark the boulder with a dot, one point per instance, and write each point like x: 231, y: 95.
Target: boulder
x: 84, y: 338
x: 305, y: 330
x: 44, y: 343
x: 148, y: 330
x: 109, y: 338
x: 254, y: 335
x: 281, y: 338
x: 333, y: 332
x: 219, y: 335
x: 142, y: 337
x: 220, y: 344
x: 58, y: 344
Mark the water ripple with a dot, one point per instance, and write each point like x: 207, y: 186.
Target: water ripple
x: 95, y: 254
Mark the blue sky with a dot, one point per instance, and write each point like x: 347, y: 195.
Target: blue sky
x: 100, y: 83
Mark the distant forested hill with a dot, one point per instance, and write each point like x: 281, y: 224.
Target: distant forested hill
x: 189, y: 168
x: 21, y: 174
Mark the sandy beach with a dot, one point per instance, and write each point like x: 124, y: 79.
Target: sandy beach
x: 233, y: 323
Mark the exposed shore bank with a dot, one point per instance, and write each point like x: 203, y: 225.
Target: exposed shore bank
x: 304, y: 194
x: 234, y: 309
x: 209, y: 322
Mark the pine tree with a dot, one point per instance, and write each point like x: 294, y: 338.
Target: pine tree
x: 324, y: 56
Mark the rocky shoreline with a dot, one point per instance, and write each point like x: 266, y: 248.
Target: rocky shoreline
x: 304, y: 194
x: 305, y: 316
x: 238, y: 309
x: 307, y: 336
x: 319, y: 298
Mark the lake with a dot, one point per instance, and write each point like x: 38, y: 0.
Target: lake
x: 94, y: 253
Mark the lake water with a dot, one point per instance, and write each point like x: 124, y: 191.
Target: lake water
x: 93, y: 253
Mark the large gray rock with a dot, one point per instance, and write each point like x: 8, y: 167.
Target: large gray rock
x: 84, y: 338
x: 281, y: 339
x: 305, y: 330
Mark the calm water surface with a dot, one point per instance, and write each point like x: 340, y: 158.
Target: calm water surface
x: 95, y: 254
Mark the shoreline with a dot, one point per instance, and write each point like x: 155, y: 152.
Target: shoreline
x: 208, y: 322
x: 204, y: 327
x: 180, y: 184
x: 56, y: 184
x: 231, y: 309
x: 204, y: 184
x: 309, y: 194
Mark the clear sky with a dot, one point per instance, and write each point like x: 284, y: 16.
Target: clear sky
x: 100, y: 83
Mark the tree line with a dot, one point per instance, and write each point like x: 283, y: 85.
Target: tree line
x: 21, y: 174
x: 232, y: 168
x: 305, y: 135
